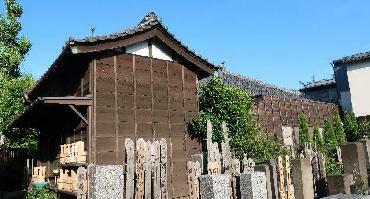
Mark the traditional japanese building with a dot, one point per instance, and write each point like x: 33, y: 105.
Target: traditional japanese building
x: 138, y: 83
x: 142, y: 83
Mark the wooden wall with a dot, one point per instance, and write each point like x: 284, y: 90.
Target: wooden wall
x: 60, y: 124
x: 142, y: 97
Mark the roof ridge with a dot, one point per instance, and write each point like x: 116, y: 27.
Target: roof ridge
x: 354, y: 57
x: 149, y: 21
x: 291, y: 91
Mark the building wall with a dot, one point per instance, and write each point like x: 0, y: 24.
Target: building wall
x: 359, y: 81
x: 142, y: 49
x: 276, y: 114
x: 142, y: 97
x: 328, y: 94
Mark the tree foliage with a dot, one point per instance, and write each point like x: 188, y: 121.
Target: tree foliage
x: 317, y: 139
x: 13, y: 84
x: 13, y: 48
x: 304, y: 135
x: 222, y: 102
x: 351, y: 127
x: 330, y: 139
x: 339, y: 129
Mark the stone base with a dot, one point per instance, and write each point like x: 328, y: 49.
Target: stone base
x: 253, y: 185
x: 340, y: 183
x: 106, y: 181
x: 215, y: 186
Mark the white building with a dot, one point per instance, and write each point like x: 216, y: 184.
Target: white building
x: 352, y: 76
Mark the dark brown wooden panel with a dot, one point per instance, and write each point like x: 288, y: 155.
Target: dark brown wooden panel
x: 103, y: 158
x: 105, y: 128
x: 105, y: 144
x: 126, y: 129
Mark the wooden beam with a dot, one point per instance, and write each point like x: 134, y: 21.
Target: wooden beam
x: 79, y: 114
x: 78, y: 101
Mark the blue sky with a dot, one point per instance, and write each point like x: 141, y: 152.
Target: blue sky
x: 280, y: 42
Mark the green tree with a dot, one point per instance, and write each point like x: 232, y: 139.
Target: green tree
x: 330, y: 139
x: 13, y: 84
x: 364, y: 128
x: 317, y: 139
x: 351, y: 127
x: 13, y: 48
x: 222, y: 102
x: 339, y: 129
x: 304, y: 135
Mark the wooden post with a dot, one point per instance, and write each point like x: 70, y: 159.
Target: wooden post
x: 163, y: 158
x: 140, y: 175
x: 148, y: 171
x: 194, y: 172
x: 235, y: 171
x: 226, y: 153
x: 281, y: 178
x: 290, y: 188
x: 157, y: 171
x: 130, y: 168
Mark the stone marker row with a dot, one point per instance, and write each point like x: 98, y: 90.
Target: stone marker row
x: 145, y: 173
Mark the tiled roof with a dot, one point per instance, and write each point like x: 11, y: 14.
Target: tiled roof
x: 150, y: 21
x: 256, y: 87
x: 317, y: 84
x: 353, y: 58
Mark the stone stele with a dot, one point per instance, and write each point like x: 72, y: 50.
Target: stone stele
x: 106, y: 181
x: 215, y: 186
x: 253, y: 185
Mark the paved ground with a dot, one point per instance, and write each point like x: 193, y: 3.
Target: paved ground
x: 346, y: 196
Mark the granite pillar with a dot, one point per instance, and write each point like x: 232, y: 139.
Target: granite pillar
x: 265, y: 169
x: 354, y: 162
x: 253, y: 185
x: 106, y: 181
x: 302, y: 178
x: 340, y: 183
x: 215, y: 186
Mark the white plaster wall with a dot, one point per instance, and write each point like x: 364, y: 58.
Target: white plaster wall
x: 140, y: 48
x: 159, y: 53
x: 359, y: 86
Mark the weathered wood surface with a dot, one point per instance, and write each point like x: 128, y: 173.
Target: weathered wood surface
x: 140, y: 175
x: 163, y: 159
x: 194, y: 172
x: 289, y: 185
x: 130, y: 168
x: 148, y: 170
x: 281, y: 169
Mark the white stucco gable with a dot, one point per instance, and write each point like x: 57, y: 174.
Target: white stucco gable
x: 143, y: 49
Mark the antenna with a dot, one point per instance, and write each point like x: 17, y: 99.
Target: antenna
x: 92, y: 30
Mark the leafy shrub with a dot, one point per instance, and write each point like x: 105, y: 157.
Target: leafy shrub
x: 332, y: 167
x: 330, y: 139
x: 40, y: 193
x: 304, y: 136
x: 317, y: 139
x: 222, y: 102
x: 351, y: 127
x: 364, y: 129
x: 339, y: 129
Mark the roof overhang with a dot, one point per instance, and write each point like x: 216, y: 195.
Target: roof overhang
x: 45, y: 108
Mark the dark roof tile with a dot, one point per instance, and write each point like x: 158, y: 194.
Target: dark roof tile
x: 353, y: 58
